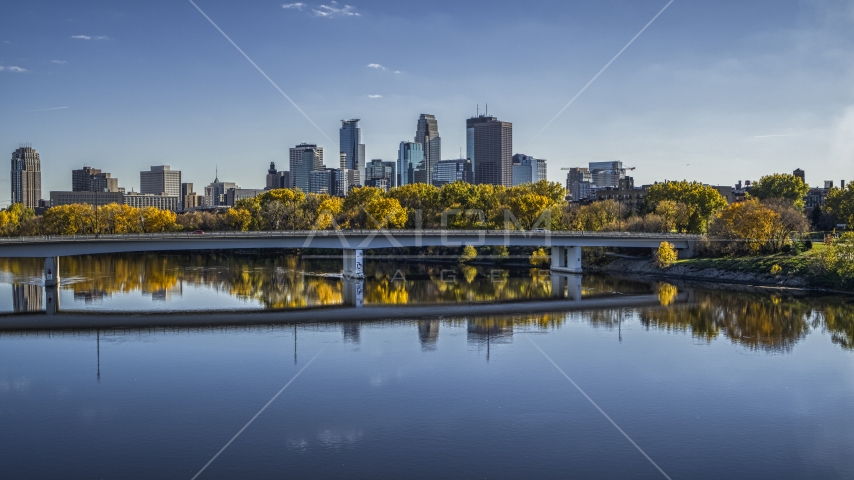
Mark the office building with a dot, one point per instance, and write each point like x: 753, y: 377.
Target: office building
x: 607, y: 174
x: 320, y: 181
x: 352, y: 150
x: 427, y: 134
x: 342, y: 180
x: 26, y: 177
x: 625, y: 193
x: 189, y: 198
x: 273, y: 178
x: 162, y: 201
x: 233, y: 195
x: 493, y: 146
x: 579, y: 183
x: 104, y: 182
x: 94, y: 198
x: 527, y: 169
x: 381, y: 174
x: 409, y: 156
x: 88, y: 179
x: 215, y: 193
x: 277, y: 178
x: 450, y: 171
x: 160, y: 180
x: 304, y: 159
x: 800, y: 174
x: 470, y: 123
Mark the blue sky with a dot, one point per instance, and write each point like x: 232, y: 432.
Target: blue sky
x: 713, y: 91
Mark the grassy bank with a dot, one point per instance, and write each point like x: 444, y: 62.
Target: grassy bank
x: 803, y: 265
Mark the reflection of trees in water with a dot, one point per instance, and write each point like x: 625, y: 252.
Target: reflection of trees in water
x: 277, y: 280
x: 754, y: 321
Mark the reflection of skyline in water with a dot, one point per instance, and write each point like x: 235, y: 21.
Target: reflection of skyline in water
x: 280, y: 281
x: 754, y: 320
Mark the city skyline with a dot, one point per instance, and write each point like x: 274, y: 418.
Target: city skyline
x: 715, y: 95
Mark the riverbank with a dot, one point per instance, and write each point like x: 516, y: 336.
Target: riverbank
x: 796, y: 271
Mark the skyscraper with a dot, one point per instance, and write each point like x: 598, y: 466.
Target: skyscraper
x: 427, y: 134
x: 161, y: 180
x: 26, y: 177
x: 409, y: 156
x: 381, y: 174
x: 450, y: 171
x: 304, y: 159
x: 470, y: 123
x: 89, y: 179
x: 493, y: 145
x: 351, y: 147
x: 607, y: 174
x: 527, y: 169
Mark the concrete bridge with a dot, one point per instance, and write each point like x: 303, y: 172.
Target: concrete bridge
x: 565, y: 245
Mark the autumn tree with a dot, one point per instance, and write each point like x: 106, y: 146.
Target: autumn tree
x: 595, y: 217
x: 702, y: 201
x: 743, y: 228
x: 784, y: 186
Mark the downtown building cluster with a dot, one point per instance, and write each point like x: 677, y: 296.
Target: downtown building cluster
x: 489, y: 160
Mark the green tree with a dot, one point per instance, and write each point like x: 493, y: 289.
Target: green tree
x: 839, y: 204
x: 783, y: 186
x: 702, y: 201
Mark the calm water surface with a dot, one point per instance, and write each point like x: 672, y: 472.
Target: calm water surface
x: 710, y: 384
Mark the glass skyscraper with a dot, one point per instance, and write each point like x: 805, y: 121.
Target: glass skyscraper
x: 427, y: 134
x: 409, y: 156
x: 352, y: 149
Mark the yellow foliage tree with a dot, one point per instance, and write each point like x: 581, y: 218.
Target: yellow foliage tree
x: 665, y: 255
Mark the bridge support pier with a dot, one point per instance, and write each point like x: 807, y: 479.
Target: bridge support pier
x: 566, y: 259
x: 687, y: 252
x: 354, y: 292
x: 51, y: 299
x: 51, y: 271
x: 354, y: 266
x: 566, y: 286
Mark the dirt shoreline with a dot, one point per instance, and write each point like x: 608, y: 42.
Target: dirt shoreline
x: 646, y: 267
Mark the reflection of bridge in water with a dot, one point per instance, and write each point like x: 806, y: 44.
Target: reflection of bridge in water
x: 28, y: 298
x: 334, y: 314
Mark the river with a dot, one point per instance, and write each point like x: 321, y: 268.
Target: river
x: 654, y: 381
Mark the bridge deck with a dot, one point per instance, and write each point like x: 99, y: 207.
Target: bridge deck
x: 60, y: 246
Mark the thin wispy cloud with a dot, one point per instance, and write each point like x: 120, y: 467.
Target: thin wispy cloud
x: 6, y: 41
x: 397, y: 71
x: 13, y: 69
x: 48, y: 109
x: 293, y: 6
x: 376, y: 66
x: 334, y: 10
x: 59, y: 62
x: 777, y: 135
x: 90, y: 37
x: 375, y: 96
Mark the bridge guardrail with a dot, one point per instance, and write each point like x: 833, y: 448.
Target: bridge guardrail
x: 305, y: 233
